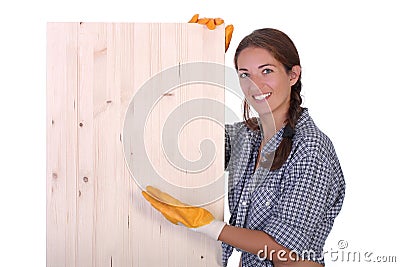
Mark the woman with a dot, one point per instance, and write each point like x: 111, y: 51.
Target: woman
x: 286, y: 186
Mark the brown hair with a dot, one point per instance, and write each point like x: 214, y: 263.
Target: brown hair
x: 283, y: 50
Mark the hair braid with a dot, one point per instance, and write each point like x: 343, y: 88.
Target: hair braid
x: 295, y: 110
x: 284, y: 50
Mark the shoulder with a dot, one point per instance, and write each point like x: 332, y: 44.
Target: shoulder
x: 313, y: 153
x: 311, y: 140
x: 237, y: 131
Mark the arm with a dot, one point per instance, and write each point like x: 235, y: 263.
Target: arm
x: 311, y: 200
x: 201, y: 220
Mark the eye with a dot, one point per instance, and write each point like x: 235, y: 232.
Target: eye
x: 266, y: 71
x: 243, y: 75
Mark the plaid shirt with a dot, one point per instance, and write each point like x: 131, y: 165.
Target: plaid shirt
x: 295, y: 204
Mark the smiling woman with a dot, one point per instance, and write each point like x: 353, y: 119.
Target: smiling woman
x: 286, y: 186
x: 289, y: 208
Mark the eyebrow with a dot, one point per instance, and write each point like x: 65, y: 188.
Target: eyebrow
x: 260, y: 67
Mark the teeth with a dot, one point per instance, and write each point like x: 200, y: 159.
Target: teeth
x: 261, y: 97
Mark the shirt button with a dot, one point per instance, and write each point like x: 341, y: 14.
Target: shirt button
x: 267, y: 203
x: 244, y: 203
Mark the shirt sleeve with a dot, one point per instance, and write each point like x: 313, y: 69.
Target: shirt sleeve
x: 303, y: 205
x: 227, y: 148
x: 231, y: 131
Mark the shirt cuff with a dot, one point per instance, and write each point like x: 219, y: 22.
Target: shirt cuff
x: 288, y: 236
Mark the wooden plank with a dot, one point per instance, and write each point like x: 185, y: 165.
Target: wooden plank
x: 121, y: 51
x: 61, y: 143
x: 108, y: 222
x: 86, y: 180
x: 179, y: 246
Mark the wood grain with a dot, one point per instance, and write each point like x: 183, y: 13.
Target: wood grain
x: 96, y: 215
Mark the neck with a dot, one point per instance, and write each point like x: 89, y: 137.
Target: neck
x: 272, y: 123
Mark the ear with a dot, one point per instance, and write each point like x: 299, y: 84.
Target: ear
x: 294, y: 74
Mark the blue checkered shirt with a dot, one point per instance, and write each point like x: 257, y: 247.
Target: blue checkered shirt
x: 295, y: 204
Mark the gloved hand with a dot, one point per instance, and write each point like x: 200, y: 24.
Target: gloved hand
x: 194, y: 218
x: 212, y: 23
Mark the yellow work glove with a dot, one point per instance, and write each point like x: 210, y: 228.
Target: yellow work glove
x: 194, y: 218
x: 212, y: 24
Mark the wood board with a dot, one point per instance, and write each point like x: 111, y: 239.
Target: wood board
x: 96, y: 215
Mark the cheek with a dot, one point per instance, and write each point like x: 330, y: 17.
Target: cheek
x: 287, y: 89
x: 282, y: 87
x: 245, y: 85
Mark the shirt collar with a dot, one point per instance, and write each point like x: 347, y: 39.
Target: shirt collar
x: 273, y: 143
x: 276, y: 139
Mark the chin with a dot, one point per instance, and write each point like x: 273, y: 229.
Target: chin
x: 261, y: 114
x: 262, y: 110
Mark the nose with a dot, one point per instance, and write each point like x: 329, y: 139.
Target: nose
x: 257, y: 83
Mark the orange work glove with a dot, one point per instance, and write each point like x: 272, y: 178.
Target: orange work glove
x: 212, y: 24
x: 194, y: 218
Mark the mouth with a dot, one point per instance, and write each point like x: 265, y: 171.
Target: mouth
x: 262, y: 97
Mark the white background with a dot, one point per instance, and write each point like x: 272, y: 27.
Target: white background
x: 350, y: 57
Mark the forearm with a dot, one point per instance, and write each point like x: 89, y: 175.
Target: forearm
x: 200, y: 220
x: 252, y: 241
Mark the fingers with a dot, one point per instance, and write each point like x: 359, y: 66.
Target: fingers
x: 189, y: 216
x: 164, y: 197
x: 153, y: 201
x: 209, y: 22
x: 160, y: 206
x: 218, y: 21
x: 194, y: 18
x: 228, y: 35
x: 212, y: 24
x: 202, y: 21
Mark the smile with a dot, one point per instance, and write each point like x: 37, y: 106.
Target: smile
x: 262, y: 97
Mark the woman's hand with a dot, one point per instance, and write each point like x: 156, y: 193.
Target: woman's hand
x: 194, y: 218
x: 212, y: 24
